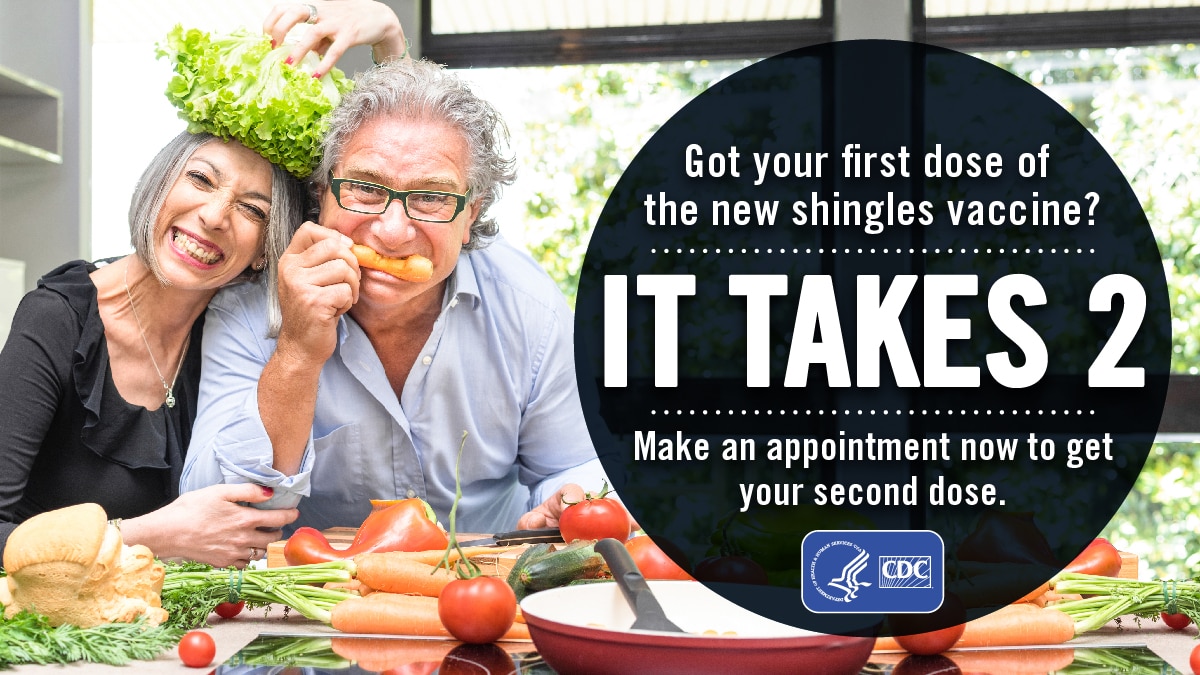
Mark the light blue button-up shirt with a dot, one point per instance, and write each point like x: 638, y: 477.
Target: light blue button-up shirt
x: 499, y: 364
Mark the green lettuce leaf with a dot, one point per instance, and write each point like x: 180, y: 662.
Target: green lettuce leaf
x: 236, y: 86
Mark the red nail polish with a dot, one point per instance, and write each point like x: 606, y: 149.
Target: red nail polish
x: 288, y: 60
x: 316, y: 76
x: 273, y: 44
x: 268, y: 491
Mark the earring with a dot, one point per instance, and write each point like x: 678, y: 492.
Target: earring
x: 260, y: 264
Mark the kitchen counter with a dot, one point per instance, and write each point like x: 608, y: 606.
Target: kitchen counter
x: 232, y: 634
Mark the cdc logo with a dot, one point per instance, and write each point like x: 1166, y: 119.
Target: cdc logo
x: 873, y: 571
x: 905, y: 571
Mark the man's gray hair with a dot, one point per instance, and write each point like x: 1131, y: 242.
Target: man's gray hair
x: 419, y: 89
x: 287, y: 212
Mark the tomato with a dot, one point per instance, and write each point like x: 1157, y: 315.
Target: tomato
x: 926, y: 665
x: 477, y: 610
x: 933, y: 633
x: 1194, y: 660
x: 477, y: 660
x: 594, y: 517
x: 732, y: 569
x: 228, y: 610
x: 197, y: 649
x: 652, y: 562
x: 1100, y: 557
x: 1176, y: 621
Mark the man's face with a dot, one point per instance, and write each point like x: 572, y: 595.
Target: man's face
x: 403, y: 154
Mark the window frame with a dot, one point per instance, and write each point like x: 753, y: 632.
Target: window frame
x: 761, y: 39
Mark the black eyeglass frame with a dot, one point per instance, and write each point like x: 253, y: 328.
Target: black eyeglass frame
x: 335, y: 185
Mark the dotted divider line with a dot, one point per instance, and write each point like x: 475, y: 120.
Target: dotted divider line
x: 962, y: 412
x: 874, y: 251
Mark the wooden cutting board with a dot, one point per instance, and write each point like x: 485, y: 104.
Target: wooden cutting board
x: 340, y: 538
x: 1129, y: 566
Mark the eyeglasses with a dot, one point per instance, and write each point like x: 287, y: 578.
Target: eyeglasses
x: 428, y: 205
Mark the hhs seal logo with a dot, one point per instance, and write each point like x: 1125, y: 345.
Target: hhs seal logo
x: 873, y: 571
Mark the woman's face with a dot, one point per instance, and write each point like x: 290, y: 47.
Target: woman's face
x: 213, y: 222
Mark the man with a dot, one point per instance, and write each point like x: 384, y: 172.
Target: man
x: 371, y: 382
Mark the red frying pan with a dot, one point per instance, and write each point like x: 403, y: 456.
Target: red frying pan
x: 585, y: 630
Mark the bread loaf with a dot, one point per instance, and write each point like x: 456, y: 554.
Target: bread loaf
x: 71, y: 565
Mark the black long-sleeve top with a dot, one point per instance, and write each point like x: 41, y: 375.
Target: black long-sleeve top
x: 66, y: 435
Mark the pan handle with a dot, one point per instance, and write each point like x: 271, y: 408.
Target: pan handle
x: 624, y: 570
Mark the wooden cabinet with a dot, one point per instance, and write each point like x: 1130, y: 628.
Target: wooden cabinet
x: 30, y: 120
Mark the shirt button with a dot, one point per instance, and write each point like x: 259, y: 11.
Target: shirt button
x: 411, y: 493
x: 427, y: 360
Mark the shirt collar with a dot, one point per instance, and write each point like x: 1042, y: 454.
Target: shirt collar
x: 462, y: 285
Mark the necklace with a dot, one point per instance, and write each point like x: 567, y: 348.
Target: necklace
x: 169, y: 388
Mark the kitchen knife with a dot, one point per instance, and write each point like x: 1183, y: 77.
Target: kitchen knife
x: 549, y: 535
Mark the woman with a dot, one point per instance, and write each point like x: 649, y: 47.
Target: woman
x: 102, y: 364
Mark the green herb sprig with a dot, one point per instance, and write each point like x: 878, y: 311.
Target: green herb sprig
x: 28, y: 638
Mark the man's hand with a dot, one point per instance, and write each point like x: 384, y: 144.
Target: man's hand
x: 548, y: 512
x: 318, y: 282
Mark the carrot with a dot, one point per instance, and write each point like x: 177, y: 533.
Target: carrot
x: 354, y: 586
x: 401, y: 575
x: 1051, y: 597
x: 1010, y: 626
x: 383, y: 613
x: 411, y: 268
x: 435, y: 556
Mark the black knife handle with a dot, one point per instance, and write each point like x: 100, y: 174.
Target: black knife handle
x: 624, y: 570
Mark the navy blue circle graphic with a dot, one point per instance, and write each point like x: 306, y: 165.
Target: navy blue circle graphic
x: 873, y: 322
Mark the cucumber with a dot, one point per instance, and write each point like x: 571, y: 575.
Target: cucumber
x: 577, y: 560
x: 554, y: 567
x: 528, y: 556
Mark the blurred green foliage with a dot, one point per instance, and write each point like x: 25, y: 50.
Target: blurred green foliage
x: 1139, y: 102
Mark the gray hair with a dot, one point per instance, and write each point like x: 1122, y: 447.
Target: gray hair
x: 413, y: 89
x: 287, y: 211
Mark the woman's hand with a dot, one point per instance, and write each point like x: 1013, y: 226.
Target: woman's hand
x: 340, y: 25
x: 210, y: 526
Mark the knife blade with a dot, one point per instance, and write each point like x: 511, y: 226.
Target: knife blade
x: 549, y: 535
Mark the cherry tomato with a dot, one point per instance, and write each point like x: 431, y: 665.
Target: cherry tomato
x: 594, y: 517
x: 1100, y: 557
x: 1176, y: 621
x: 1194, y: 660
x: 933, y: 633
x: 477, y: 610
x: 228, y: 610
x: 652, y: 562
x: 733, y: 569
x: 197, y: 649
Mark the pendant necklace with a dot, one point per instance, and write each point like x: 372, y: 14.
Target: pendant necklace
x: 169, y: 388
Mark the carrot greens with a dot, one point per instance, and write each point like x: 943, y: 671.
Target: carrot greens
x: 1107, y: 598
x: 191, y: 591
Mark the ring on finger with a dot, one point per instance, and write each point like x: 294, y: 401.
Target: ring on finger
x: 312, y: 13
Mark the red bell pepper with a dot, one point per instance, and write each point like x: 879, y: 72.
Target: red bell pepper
x: 407, y: 525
